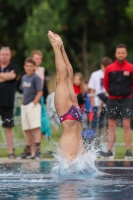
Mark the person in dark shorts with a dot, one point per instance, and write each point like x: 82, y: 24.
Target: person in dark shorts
x: 96, y: 87
x: 118, y: 82
x: 8, y: 74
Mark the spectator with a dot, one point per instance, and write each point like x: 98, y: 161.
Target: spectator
x: 81, y: 89
x: 45, y: 124
x: 87, y: 114
x: 118, y: 82
x: 78, y: 85
x: 31, y: 87
x: 50, y: 105
x: 78, y: 82
x: 37, y: 56
x: 96, y: 87
x: 8, y: 75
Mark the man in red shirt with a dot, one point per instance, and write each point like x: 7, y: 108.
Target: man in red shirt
x: 118, y: 82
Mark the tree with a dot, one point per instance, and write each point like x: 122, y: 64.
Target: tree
x: 129, y: 10
x: 92, y: 29
x: 43, y: 18
x: 13, y: 14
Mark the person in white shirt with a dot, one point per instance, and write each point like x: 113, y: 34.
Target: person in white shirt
x: 96, y: 87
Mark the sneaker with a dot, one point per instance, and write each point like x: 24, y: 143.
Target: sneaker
x: 26, y: 153
x: 108, y: 155
x: 128, y: 154
x: 37, y: 155
x: 100, y: 153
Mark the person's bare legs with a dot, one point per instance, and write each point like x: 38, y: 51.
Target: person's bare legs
x: 9, y: 138
x: 127, y: 132
x: 37, y: 135
x: 28, y: 138
x: 70, y: 85
x: 37, y: 141
x: 62, y: 102
x: 70, y: 76
x: 111, y: 133
x: 33, y: 137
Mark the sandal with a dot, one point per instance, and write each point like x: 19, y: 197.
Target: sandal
x: 11, y: 156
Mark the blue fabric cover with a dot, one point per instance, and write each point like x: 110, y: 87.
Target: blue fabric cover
x: 45, y: 123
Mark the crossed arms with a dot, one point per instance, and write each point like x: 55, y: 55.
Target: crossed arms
x: 7, y: 76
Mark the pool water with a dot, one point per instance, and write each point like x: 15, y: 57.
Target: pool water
x: 34, y: 181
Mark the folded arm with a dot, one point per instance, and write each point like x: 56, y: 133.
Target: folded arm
x: 7, y: 76
x: 1, y: 80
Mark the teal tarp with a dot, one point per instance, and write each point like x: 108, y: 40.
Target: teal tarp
x: 45, y: 123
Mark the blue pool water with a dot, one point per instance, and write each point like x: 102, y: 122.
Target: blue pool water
x: 34, y: 181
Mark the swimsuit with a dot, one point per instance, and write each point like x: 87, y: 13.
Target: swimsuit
x: 74, y: 113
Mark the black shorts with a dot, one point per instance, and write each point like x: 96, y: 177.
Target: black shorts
x: 7, y: 117
x: 119, y: 108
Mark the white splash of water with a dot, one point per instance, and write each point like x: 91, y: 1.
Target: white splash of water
x: 84, y: 163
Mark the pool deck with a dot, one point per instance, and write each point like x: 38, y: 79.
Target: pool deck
x: 6, y: 160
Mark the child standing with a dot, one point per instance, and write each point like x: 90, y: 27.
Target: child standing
x: 31, y: 87
x: 78, y: 87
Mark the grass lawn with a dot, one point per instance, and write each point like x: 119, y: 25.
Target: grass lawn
x: 120, y: 150
x: 45, y: 145
x: 19, y: 141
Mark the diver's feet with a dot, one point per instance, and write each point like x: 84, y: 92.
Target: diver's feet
x: 54, y: 39
x: 128, y: 154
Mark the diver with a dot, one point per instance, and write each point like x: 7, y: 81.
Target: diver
x: 66, y: 104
